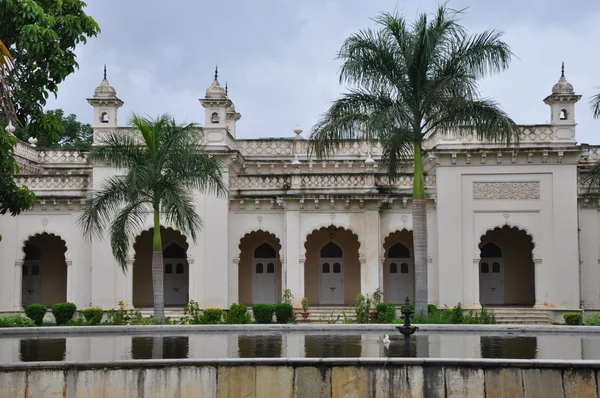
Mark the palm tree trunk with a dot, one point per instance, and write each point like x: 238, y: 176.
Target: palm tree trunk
x: 419, y: 213
x: 157, y: 271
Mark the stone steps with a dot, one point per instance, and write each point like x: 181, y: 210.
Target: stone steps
x: 521, y: 316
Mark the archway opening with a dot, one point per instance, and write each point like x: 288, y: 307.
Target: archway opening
x: 175, y: 269
x: 44, y: 270
x: 506, y: 268
x: 399, y: 267
x: 332, y: 267
x: 259, y: 270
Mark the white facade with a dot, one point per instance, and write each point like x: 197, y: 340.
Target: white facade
x: 506, y: 226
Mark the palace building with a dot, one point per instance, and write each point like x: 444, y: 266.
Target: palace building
x: 507, y: 227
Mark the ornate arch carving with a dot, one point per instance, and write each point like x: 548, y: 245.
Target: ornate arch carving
x: 326, y: 226
x: 387, y: 241
x: 277, y: 246
x: 184, y: 243
x: 512, y: 225
x: 49, y: 234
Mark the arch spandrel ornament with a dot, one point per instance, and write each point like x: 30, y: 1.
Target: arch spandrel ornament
x: 484, y: 231
x: 332, y: 224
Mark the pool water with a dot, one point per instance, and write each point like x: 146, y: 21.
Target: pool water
x: 109, y: 347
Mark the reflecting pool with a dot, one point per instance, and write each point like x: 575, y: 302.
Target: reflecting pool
x: 110, y: 347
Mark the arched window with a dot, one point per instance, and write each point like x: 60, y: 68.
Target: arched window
x: 169, y: 268
x: 404, y: 268
x: 398, y: 251
x: 104, y: 117
x: 325, y: 269
x: 174, y: 251
x: 179, y: 268
x: 270, y: 268
x: 337, y: 268
x: 259, y: 268
x: 490, y: 249
x: 563, y: 115
x: 215, y: 117
x: 265, y: 251
x: 331, y: 250
x: 393, y: 268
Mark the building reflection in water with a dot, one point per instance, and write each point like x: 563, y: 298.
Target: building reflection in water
x: 260, y: 346
x: 332, y: 346
x: 160, y: 347
x: 521, y: 347
x: 33, y: 350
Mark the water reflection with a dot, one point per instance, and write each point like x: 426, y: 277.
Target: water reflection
x: 508, y: 347
x: 160, y: 347
x: 331, y: 346
x: 33, y: 350
x: 260, y: 346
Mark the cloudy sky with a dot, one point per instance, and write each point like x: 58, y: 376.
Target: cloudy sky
x: 279, y: 56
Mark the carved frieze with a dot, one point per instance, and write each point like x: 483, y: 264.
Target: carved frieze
x: 508, y: 190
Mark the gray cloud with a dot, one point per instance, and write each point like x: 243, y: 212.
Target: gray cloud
x: 278, y: 57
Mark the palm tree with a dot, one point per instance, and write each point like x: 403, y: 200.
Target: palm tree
x: 163, y: 165
x: 595, y: 105
x: 592, y: 179
x: 408, y: 81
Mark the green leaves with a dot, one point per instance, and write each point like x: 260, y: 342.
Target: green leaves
x: 42, y: 36
x: 595, y: 105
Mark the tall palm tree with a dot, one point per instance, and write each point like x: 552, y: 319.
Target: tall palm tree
x: 407, y: 81
x: 592, y: 179
x: 595, y: 105
x: 163, y: 165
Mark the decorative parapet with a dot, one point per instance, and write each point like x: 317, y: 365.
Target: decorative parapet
x: 403, y: 181
x: 61, y: 156
x: 530, y: 134
x: 287, y: 147
x: 259, y: 182
x: 26, y: 151
x: 58, y: 182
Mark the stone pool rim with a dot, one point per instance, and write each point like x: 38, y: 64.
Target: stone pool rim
x: 382, y: 328
x: 485, y: 363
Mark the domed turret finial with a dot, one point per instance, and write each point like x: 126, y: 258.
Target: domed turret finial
x: 104, y: 71
x: 562, y: 70
x: 226, y: 88
x: 216, y: 72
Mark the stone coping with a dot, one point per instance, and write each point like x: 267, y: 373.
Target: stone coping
x: 382, y: 328
x: 303, y: 362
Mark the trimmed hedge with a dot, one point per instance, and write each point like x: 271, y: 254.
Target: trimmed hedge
x: 93, y: 316
x: 63, y: 312
x: 263, y: 313
x: 36, y: 313
x: 211, y: 316
x: 238, y: 314
x: 572, y: 318
x: 283, y: 312
x: 386, y: 313
x: 15, y: 321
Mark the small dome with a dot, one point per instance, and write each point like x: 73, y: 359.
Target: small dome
x: 563, y: 87
x: 215, y: 91
x: 105, y: 90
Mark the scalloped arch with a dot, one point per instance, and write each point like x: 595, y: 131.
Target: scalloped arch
x: 512, y: 226
x: 185, y: 243
x: 329, y: 225
x: 387, y: 241
x: 248, y: 234
x: 46, y: 234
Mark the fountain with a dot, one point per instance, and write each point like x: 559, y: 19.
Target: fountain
x: 407, y: 329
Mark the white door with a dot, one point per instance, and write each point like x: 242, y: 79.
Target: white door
x: 264, y: 281
x: 401, y: 280
x: 491, y: 281
x: 331, y: 281
x: 32, y: 283
x: 176, y: 281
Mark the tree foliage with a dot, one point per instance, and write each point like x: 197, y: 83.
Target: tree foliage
x: 42, y: 36
x: 410, y: 80
x: 163, y: 165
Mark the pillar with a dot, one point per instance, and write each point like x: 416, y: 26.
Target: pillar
x: 234, y: 281
x: 293, y: 267
x: 370, y: 268
x: 18, y: 286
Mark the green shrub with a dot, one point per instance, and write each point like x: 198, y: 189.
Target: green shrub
x: 192, y: 313
x: 93, y: 316
x: 36, y: 313
x: 592, y: 320
x: 572, y: 318
x: 386, y: 312
x: 238, y: 314
x: 263, y: 313
x: 15, y: 321
x: 431, y: 308
x: 211, y: 316
x: 63, y: 312
x: 118, y: 316
x: 283, y: 312
x: 458, y: 314
x: 363, y: 308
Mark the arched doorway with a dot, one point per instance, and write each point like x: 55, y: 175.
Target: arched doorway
x: 177, y: 275
x: 259, y: 269
x: 506, y: 268
x: 331, y: 277
x: 175, y: 269
x: 44, y: 270
x: 332, y: 267
x: 400, y: 274
x: 264, y: 277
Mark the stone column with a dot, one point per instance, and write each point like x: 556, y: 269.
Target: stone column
x: 369, y: 265
x: 129, y: 284
x: 476, y: 303
x: 18, y: 286
x: 70, y: 279
x: 234, y: 281
x: 540, y: 289
x: 294, y: 263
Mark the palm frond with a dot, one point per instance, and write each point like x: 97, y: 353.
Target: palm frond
x: 128, y: 224
x: 398, y: 148
x: 120, y: 149
x: 177, y: 205
x: 595, y: 106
